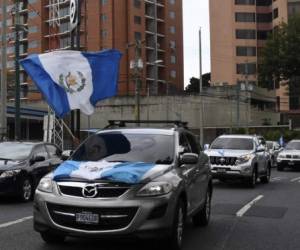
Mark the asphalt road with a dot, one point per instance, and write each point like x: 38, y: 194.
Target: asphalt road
x: 272, y: 222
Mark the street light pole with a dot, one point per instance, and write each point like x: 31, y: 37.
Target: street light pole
x: 17, y: 72
x: 200, y: 91
x: 3, y: 71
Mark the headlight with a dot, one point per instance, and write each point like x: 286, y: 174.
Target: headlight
x: 10, y: 173
x: 243, y: 159
x: 155, y: 189
x: 45, y: 185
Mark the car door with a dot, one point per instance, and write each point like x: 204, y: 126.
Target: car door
x: 201, y: 171
x: 261, y: 156
x: 40, y: 168
x: 188, y: 172
x: 54, y: 156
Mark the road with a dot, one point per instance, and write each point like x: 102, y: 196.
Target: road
x: 272, y: 221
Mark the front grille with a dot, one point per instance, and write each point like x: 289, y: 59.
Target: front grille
x: 110, y: 218
x: 103, y: 192
x: 288, y: 156
x: 225, y: 161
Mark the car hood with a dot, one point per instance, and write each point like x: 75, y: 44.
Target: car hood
x: 227, y: 152
x: 9, y: 165
x: 126, y: 172
x: 290, y: 152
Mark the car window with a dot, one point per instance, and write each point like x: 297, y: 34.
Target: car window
x: 184, y: 144
x: 192, y: 141
x: 293, y: 145
x: 52, y: 150
x: 15, y: 150
x: 232, y: 143
x: 40, y: 151
x: 127, y: 147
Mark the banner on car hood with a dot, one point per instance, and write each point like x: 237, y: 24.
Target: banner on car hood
x: 127, y: 172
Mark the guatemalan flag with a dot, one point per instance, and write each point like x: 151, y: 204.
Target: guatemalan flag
x: 74, y: 80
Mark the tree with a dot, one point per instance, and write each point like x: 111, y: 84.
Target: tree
x: 193, y: 87
x: 280, y: 60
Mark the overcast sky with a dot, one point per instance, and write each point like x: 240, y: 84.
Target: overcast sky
x: 195, y: 15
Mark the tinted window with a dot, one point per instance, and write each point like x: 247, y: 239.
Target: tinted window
x: 193, y: 143
x: 15, y: 150
x: 264, y: 17
x: 245, y: 51
x: 184, y: 144
x: 40, y: 151
x: 128, y: 147
x: 233, y: 143
x: 244, y: 2
x: 245, y: 34
x: 293, y: 145
x: 245, y: 17
x: 52, y: 150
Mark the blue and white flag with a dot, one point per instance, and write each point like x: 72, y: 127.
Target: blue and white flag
x: 126, y: 172
x: 281, y: 141
x: 74, y: 80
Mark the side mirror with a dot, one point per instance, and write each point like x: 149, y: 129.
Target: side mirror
x: 66, y: 154
x: 206, y: 146
x: 189, y: 158
x: 38, y: 158
x: 260, y: 148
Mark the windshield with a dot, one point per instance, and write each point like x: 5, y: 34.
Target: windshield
x: 293, y: 145
x: 233, y: 143
x: 270, y: 145
x: 127, y: 147
x: 15, y: 151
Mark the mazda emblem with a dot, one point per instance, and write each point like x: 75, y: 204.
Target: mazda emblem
x: 90, y: 191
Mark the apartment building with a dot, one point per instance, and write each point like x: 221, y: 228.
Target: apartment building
x: 239, y: 29
x: 105, y: 24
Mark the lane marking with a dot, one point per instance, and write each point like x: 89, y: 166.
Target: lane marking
x: 276, y: 179
x: 295, y: 179
x: 245, y: 208
x: 7, y: 224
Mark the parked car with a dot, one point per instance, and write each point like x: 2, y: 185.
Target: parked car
x: 239, y: 157
x: 126, y: 197
x: 274, y: 149
x: 23, y: 164
x: 289, y: 156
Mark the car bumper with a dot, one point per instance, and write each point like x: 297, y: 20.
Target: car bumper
x: 148, y: 217
x: 288, y: 163
x: 231, y: 172
x: 9, y: 186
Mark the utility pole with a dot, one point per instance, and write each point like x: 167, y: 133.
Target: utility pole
x: 17, y: 72
x: 200, y: 91
x: 4, y: 71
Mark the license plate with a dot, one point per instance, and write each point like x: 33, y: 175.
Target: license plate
x: 87, y: 218
x: 291, y: 163
x: 221, y: 170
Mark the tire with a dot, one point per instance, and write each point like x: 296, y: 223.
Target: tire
x: 251, y: 182
x: 280, y: 168
x: 174, y: 241
x: 51, y: 238
x: 26, y: 190
x: 202, y: 217
x: 266, y: 179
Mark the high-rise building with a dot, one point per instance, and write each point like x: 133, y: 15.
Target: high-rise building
x: 239, y: 29
x: 118, y: 24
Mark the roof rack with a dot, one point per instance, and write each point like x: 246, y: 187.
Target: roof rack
x: 122, y: 123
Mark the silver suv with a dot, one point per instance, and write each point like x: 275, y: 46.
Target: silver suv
x: 119, y: 182
x: 239, y: 157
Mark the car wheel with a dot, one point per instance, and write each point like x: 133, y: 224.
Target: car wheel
x: 252, y: 180
x: 52, y: 238
x: 266, y: 179
x: 202, y: 217
x: 280, y: 168
x: 175, y: 239
x: 26, y: 192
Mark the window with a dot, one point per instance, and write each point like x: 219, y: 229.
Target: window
x: 137, y: 20
x: 173, y: 59
x: 293, y: 8
x: 138, y: 36
x: 173, y: 73
x: 244, y: 2
x: 248, y: 17
x: 65, y: 42
x: 275, y: 13
x: 263, y: 2
x: 184, y: 144
x: 193, y: 144
x: 263, y: 34
x: 53, y: 151
x: 172, y: 29
x: 245, y: 51
x: 32, y: 29
x: 246, y: 68
x: 264, y: 17
x: 33, y: 44
x: 64, y: 27
x: 137, y: 3
x: 245, y: 34
x: 40, y: 151
x: 104, y: 33
x: 32, y: 1
x: 172, y: 14
x: 172, y: 44
x: 32, y: 14
x: 103, y: 17
x: 103, y: 2
x: 172, y: 1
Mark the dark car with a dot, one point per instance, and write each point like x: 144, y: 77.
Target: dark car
x: 138, y: 182
x: 23, y: 164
